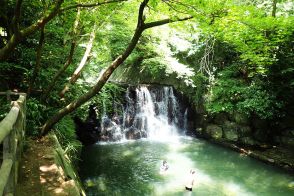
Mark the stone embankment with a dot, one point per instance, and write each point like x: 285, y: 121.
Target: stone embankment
x: 251, y: 136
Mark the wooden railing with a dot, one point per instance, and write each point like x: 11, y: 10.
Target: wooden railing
x: 12, y: 132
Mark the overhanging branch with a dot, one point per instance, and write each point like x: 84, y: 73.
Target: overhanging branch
x: 44, y: 20
x: 89, y: 5
x: 165, y: 21
x: 141, y: 26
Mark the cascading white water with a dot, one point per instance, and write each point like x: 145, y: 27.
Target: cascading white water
x: 153, y: 113
x: 186, y: 119
x: 156, y: 124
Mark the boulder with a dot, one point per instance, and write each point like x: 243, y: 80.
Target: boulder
x: 244, y: 131
x: 230, y: 130
x: 287, y: 141
x: 239, y: 118
x: 248, y: 141
x: 214, y: 131
x: 199, y: 131
x: 261, y: 135
x: 259, y: 123
x: 220, y: 118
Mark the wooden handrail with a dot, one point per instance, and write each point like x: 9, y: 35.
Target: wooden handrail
x: 7, y: 123
x: 12, y: 129
x: 12, y: 93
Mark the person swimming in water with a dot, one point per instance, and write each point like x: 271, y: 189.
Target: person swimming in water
x: 164, y: 167
x: 190, y: 180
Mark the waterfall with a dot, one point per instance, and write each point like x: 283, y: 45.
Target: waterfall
x: 186, y: 120
x: 149, y: 112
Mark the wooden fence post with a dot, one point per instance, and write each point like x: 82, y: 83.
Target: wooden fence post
x: 12, y: 129
x: 8, y: 154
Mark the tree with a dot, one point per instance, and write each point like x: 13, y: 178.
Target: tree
x: 141, y: 27
x: 38, y: 62
x: 18, y: 34
x: 83, y: 62
x: 69, y: 57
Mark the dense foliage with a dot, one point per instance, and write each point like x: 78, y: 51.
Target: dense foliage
x: 232, y: 56
x: 246, y: 54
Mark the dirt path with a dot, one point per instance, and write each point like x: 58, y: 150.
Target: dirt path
x: 39, y: 175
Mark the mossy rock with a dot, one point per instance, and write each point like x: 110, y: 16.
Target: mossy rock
x: 244, y: 131
x: 220, y: 118
x: 239, y: 118
x: 214, y: 131
x: 230, y: 130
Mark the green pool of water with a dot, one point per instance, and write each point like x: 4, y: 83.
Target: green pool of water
x: 132, y: 168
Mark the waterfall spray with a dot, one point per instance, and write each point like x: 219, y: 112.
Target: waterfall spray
x: 148, y: 113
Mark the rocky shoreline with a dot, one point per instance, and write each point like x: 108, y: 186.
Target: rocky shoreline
x: 250, y: 136
x: 273, y: 155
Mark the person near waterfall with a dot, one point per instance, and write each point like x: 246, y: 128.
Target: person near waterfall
x: 190, y: 180
x: 164, y: 167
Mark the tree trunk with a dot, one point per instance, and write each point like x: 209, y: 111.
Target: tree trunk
x: 95, y: 89
x: 69, y: 58
x: 38, y: 62
x: 78, y: 70
x: 60, y: 71
x: 274, y: 10
x: 141, y: 26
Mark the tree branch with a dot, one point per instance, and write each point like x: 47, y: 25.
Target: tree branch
x: 38, y: 62
x: 140, y: 21
x: 89, y: 5
x: 69, y: 57
x: 16, y: 16
x: 165, y: 21
x: 81, y: 65
x: 173, y: 8
x: 18, y: 37
x: 108, y: 71
x: 44, y: 20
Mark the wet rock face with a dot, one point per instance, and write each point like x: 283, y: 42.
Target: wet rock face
x: 86, y: 131
x: 133, y: 133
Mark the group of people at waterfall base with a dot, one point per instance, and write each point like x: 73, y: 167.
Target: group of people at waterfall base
x: 190, y: 178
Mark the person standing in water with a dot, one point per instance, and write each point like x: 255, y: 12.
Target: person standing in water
x: 164, y: 167
x: 190, y: 180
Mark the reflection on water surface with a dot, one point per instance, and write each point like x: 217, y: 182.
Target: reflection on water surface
x: 132, y: 168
